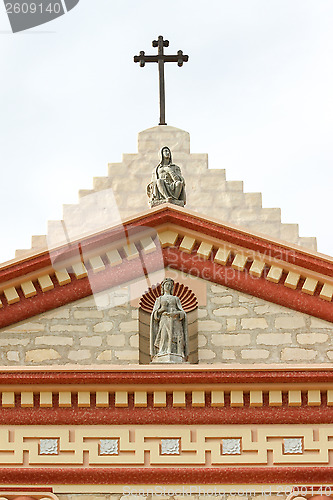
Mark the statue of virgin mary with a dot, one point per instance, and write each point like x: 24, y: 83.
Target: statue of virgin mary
x: 168, y: 327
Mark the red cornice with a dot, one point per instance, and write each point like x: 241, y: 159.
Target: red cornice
x: 244, y: 282
x: 167, y: 416
x: 290, y: 475
x: 169, y: 215
x: 206, y: 377
x: 173, y: 257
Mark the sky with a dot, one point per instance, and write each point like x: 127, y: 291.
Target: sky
x: 256, y: 95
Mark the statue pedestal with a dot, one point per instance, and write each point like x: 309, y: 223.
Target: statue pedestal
x: 168, y: 358
x: 156, y: 203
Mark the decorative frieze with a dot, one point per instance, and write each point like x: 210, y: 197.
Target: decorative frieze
x: 145, y: 445
x: 196, y: 399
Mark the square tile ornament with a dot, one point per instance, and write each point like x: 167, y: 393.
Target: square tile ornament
x: 293, y: 446
x: 170, y: 446
x: 231, y: 446
x: 109, y: 447
x: 49, y: 447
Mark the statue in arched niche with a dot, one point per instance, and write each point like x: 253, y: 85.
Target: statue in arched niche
x: 168, y: 327
x: 167, y: 184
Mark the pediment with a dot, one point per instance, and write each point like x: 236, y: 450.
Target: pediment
x: 173, y: 237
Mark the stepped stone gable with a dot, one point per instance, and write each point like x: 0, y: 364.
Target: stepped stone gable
x: 208, y: 192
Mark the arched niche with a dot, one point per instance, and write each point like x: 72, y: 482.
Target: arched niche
x: 190, y: 305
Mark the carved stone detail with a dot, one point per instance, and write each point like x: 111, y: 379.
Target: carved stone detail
x: 167, y: 184
x: 168, y: 327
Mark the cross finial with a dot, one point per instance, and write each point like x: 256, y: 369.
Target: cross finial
x: 161, y: 58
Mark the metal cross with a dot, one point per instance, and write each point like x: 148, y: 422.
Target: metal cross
x: 161, y: 58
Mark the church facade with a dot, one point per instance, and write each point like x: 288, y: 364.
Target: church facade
x: 95, y: 406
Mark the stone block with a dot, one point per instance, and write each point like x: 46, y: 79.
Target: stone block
x: 105, y: 326
x: 94, y: 341
x: 222, y: 300
x: 27, y: 328
x: 209, y: 326
x: 253, y: 199
x: 289, y: 232
x: 69, y: 328
x: 312, y: 338
x: 254, y: 323
x: 254, y: 353
x: 134, y: 340
x: 153, y: 139
x: 213, y: 180
x: 41, y: 355
x: 6, y: 342
x: 57, y: 314
x: 91, y: 314
x: 297, y: 354
x: 128, y: 355
x: 274, y: 338
x: 308, y: 242
x: 116, y: 340
x: 236, y: 339
x: 219, y: 289
x: 229, y: 200
x: 13, y: 356
x: 235, y: 186
x: 230, y: 311
x: 289, y: 322
x: 267, y: 309
x: 228, y: 354
x: 320, y: 323
x: 231, y: 324
x: 79, y: 355
x: 53, y: 340
x: 129, y: 326
x: 105, y: 356
x: 202, y: 340
x: 206, y: 354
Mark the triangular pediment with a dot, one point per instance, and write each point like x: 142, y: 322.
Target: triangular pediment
x: 173, y: 237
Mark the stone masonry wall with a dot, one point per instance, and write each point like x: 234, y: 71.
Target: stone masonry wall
x: 79, y: 333
x: 239, y: 328
x: 232, y: 328
x: 207, y: 190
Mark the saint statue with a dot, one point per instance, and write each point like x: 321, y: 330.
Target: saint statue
x: 167, y: 184
x: 168, y: 327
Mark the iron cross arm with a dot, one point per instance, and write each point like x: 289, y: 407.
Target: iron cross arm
x: 161, y: 58
x: 180, y: 58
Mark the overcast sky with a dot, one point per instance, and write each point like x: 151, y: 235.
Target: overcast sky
x: 256, y: 95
